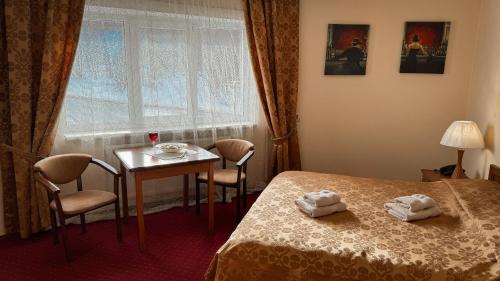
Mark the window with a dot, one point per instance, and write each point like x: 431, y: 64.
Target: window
x: 137, y: 71
x: 96, y: 71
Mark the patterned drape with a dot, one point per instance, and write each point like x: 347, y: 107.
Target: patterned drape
x: 38, y: 39
x: 273, y: 38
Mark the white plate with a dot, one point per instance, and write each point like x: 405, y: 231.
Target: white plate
x: 171, y: 147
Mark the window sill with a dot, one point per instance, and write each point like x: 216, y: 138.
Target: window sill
x: 124, y: 133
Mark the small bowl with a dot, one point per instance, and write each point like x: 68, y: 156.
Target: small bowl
x: 172, y: 147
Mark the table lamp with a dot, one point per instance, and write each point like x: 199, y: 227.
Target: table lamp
x: 462, y: 135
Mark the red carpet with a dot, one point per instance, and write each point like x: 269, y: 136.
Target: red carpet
x: 178, y: 248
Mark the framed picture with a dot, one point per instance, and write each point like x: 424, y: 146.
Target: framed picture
x: 346, y: 49
x: 424, y: 47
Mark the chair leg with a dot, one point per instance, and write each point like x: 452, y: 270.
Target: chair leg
x: 64, y: 236
x: 244, y: 194
x: 82, y: 223
x: 238, y: 203
x: 224, y: 194
x: 197, y: 195
x: 118, y: 220
x: 53, y: 221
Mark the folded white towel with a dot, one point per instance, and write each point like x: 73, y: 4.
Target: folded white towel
x: 416, y: 202
x: 315, y: 212
x: 404, y: 214
x: 322, y: 198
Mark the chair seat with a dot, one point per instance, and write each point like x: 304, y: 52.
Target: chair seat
x: 83, y: 201
x: 223, y: 176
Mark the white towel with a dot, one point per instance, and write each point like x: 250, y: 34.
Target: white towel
x: 416, y: 202
x: 404, y: 214
x: 322, y: 198
x: 315, y: 212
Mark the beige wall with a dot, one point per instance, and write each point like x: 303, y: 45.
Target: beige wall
x: 384, y: 124
x: 485, y: 91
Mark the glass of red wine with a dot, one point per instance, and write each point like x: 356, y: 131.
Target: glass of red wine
x: 153, y: 137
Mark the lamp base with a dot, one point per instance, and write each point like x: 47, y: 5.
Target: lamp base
x: 458, y: 173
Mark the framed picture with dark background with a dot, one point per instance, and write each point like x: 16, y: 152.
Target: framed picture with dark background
x: 346, y: 49
x: 424, y: 47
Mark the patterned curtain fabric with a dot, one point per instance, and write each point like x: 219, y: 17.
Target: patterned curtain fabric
x: 38, y: 39
x: 273, y: 38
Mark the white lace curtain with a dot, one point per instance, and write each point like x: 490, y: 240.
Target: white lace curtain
x: 160, y: 65
x: 178, y: 67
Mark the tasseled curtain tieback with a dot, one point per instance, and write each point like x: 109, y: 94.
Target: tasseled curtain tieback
x: 280, y: 140
x: 32, y: 157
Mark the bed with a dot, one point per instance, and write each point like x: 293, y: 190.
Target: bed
x: 275, y: 241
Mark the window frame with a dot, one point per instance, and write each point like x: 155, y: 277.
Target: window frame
x: 132, y: 23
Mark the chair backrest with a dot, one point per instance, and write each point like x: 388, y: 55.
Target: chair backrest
x: 64, y: 168
x: 233, y: 149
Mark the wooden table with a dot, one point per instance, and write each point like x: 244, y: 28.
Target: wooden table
x: 429, y: 175
x: 142, y: 162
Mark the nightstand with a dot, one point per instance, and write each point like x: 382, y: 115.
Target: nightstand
x: 432, y: 175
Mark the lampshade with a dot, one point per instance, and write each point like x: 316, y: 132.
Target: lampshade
x: 463, y: 134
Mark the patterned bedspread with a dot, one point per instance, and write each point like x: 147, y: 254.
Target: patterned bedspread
x: 275, y: 241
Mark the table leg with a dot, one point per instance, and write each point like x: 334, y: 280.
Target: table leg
x: 211, y: 191
x: 186, y: 190
x: 139, y: 204
x: 123, y: 172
